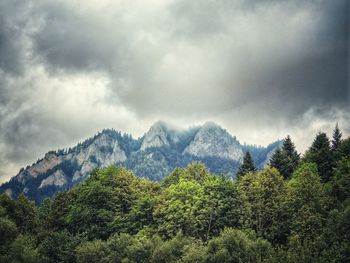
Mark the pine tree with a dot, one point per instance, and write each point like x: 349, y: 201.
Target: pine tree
x: 285, y: 160
x: 337, y: 138
x: 320, y: 153
x: 277, y: 159
x: 247, y: 165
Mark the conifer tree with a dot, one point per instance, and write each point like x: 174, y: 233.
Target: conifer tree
x: 276, y: 159
x: 247, y: 165
x: 285, y: 160
x: 320, y: 153
x: 337, y: 138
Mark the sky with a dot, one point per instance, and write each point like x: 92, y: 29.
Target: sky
x: 261, y: 69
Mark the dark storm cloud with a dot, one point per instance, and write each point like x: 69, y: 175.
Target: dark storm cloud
x: 68, y: 69
x: 12, y: 36
x: 71, y: 38
x: 313, y: 71
x: 206, y: 47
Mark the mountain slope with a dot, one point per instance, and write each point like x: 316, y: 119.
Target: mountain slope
x: 153, y: 156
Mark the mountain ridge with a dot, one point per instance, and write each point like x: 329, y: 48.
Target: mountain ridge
x: 154, y: 155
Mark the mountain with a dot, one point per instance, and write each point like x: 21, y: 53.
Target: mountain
x: 212, y: 140
x: 156, y: 154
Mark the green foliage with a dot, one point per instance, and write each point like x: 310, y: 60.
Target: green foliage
x: 306, y: 200
x: 24, y: 250
x: 263, y: 193
x: 192, y: 216
x: 340, y: 183
x: 320, y: 154
x: 337, y: 138
x: 93, y: 251
x: 285, y: 160
x: 60, y: 246
x: 238, y: 246
x: 8, y: 233
x: 247, y: 165
x: 197, y: 203
x: 344, y: 148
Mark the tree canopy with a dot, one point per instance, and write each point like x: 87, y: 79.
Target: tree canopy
x: 298, y: 211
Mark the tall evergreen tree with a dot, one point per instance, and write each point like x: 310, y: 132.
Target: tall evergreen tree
x: 286, y: 159
x: 320, y: 153
x: 337, y: 138
x: 247, y: 165
x: 277, y: 159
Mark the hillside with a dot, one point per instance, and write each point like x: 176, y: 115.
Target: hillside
x: 297, y: 210
x: 152, y: 156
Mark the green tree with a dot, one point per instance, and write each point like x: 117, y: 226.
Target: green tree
x: 277, y: 159
x: 24, y: 250
x: 234, y: 245
x: 306, y: 202
x: 8, y: 233
x: 60, y: 247
x: 320, y: 154
x: 264, y: 194
x: 140, y: 215
x: 247, y: 165
x: 24, y: 213
x: 340, y: 182
x: 93, y: 251
x: 179, y: 208
x: 286, y: 159
x: 337, y: 138
x: 344, y: 148
x: 336, y: 238
x: 171, y: 250
x: 194, y: 252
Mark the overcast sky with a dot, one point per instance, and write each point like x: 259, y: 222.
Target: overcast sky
x: 262, y: 69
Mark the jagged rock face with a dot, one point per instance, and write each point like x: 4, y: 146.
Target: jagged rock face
x: 157, y: 136
x: 166, y: 147
x: 57, y: 179
x: 104, y: 151
x: 50, y: 160
x: 212, y: 140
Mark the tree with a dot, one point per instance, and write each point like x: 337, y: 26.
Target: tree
x: 180, y: 208
x: 24, y: 250
x: 25, y: 215
x: 344, y: 148
x: 234, y: 245
x: 277, y: 159
x: 320, y: 154
x: 263, y: 192
x: 60, y: 246
x: 305, y: 201
x: 247, y: 165
x: 337, y: 138
x: 8, y: 233
x: 340, y: 182
x: 286, y: 159
x: 93, y: 251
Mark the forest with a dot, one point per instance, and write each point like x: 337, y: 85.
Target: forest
x: 296, y: 209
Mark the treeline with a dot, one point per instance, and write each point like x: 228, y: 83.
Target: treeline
x: 297, y: 209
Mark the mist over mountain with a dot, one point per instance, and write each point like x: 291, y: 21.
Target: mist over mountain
x: 153, y: 156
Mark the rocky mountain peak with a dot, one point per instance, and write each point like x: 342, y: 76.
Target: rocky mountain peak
x: 156, y: 136
x: 62, y: 169
x: 212, y: 140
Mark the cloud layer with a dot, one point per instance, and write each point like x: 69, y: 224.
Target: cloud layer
x: 262, y: 69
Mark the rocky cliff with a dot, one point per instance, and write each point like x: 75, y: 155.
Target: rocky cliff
x: 154, y: 155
